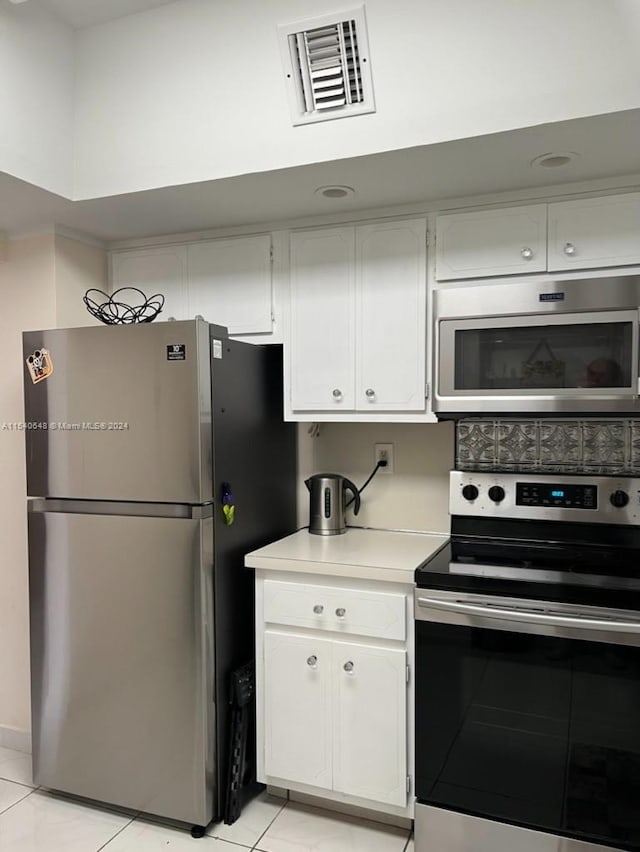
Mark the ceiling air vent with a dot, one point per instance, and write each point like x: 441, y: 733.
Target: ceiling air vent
x: 327, y: 68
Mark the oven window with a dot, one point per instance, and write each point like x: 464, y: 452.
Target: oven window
x: 590, y: 355
x: 532, y: 730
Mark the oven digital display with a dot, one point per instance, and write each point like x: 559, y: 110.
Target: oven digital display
x: 560, y: 496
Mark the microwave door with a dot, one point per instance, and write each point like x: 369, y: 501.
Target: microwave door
x: 561, y: 362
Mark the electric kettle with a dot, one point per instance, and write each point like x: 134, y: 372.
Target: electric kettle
x: 327, y: 503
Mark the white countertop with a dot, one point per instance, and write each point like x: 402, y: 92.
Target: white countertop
x: 359, y: 553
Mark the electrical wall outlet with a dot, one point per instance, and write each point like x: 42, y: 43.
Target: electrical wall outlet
x: 384, y: 452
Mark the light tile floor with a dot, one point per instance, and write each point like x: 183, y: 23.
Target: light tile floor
x: 32, y: 820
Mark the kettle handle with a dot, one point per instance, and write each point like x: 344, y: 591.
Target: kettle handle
x: 349, y: 486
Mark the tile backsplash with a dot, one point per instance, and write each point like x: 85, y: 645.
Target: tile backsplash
x: 580, y: 445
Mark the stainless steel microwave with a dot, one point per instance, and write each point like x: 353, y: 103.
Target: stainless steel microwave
x: 553, y: 347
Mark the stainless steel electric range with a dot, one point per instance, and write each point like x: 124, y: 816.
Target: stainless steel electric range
x: 528, y: 668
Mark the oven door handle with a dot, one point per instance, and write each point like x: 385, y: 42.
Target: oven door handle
x: 529, y: 616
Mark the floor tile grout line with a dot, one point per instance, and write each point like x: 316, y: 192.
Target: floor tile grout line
x: 284, y: 805
x: 26, y: 796
x: 20, y: 783
x: 131, y: 821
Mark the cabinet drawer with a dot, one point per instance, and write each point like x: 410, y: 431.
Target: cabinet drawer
x: 378, y: 614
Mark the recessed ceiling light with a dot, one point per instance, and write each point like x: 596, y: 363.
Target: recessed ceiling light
x: 335, y: 191
x: 555, y: 159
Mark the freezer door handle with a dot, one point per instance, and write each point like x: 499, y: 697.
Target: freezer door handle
x: 112, y: 507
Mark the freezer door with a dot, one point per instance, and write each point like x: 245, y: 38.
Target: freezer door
x: 122, y: 660
x: 119, y: 412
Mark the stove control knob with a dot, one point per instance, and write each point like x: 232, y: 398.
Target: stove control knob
x: 619, y: 499
x: 496, y: 493
x: 470, y: 492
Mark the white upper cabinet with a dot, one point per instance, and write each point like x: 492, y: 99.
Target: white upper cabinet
x: 357, y: 330
x: 322, y: 331
x: 594, y: 232
x: 391, y: 316
x: 491, y: 242
x: 155, y: 270
x: 227, y: 282
x: 230, y: 283
x: 585, y: 234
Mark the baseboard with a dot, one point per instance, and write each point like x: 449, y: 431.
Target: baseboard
x: 279, y: 792
x: 17, y: 740
x: 350, y: 810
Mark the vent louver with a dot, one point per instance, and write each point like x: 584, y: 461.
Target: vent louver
x: 327, y: 67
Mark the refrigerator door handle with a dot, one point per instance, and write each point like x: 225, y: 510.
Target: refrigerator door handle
x: 113, y: 507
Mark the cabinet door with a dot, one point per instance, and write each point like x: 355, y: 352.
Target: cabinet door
x: 321, y: 355
x: 594, y: 232
x: 391, y: 310
x: 297, y: 708
x: 370, y: 722
x: 155, y: 270
x: 230, y: 283
x: 491, y: 242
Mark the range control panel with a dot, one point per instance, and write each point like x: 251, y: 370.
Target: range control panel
x: 557, y: 494
x: 551, y: 497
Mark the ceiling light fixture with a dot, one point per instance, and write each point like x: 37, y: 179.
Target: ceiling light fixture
x: 335, y: 191
x: 554, y: 160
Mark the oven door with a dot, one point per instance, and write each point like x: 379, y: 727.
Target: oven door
x: 528, y: 713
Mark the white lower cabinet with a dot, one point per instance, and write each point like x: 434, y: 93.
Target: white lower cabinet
x: 335, y: 715
x: 370, y: 722
x: 334, y: 707
x: 297, y: 708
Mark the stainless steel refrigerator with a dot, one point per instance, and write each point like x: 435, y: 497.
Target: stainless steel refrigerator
x: 156, y: 457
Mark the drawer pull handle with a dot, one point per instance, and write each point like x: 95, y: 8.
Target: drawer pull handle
x: 312, y: 661
x: 318, y: 609
x: 341, y: 612
x: 348, y: 666
x: 527, y: 253
x: 569, y: 249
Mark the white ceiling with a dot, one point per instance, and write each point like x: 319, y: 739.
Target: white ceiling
x: 608, y: 147
x: 85, y: 13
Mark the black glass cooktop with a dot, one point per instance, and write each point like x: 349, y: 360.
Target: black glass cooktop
x: 568, y: 562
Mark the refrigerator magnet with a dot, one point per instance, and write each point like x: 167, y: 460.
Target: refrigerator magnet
x: 228, y: 507
x: 40, y: 365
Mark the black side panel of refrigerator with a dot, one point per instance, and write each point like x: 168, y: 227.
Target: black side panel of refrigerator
x: 254, y: 455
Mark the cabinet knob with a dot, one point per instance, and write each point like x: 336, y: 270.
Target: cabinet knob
x: 526, y: 253
x: 348, y: 666
x: 370, y: 393
x: 318, y: 609
x: 312, y: 661
x: 569, y: 249
x: 337, y: 394
x: 341, y: 612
